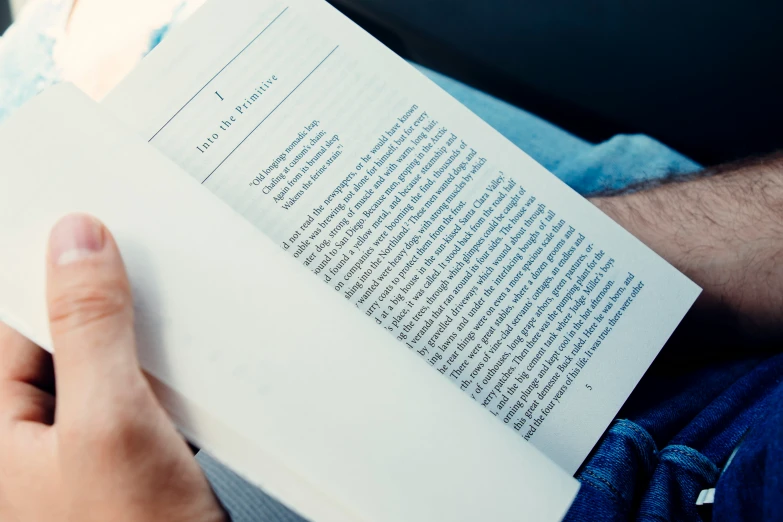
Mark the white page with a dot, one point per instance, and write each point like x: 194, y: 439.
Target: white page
x: 315, y: 71
x: 257, y: 361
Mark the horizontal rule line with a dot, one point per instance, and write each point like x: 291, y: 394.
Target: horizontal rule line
x: 218, y: 73
x: 270, y: 114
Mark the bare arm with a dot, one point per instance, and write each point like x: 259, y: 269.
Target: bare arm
x: 724, y: 229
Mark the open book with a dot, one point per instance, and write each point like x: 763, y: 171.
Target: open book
x: 476, y: 325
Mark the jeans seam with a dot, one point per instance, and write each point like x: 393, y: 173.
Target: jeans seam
x: 604, y: 482
x: 669, y: 449
x: 641, y: 431
x: 695, y: 458
x: 651, y: 460
x: 596, y: 480
x: 692, y: 454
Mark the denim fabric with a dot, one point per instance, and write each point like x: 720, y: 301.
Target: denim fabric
x: 585, y: 167
x: 686, y: 417
x: 27, y: 64
x: 698, y: 425
x: 751, y: 487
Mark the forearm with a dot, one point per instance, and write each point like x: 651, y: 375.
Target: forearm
x: 723, y: 228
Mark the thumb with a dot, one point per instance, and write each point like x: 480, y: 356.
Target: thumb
x: 90, y: 318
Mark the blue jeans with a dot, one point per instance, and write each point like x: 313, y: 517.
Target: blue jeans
x: 682, y: 423
x: 687, y: 416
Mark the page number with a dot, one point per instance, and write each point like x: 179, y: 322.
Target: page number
x: 589, y: 387
x: 219, y: 96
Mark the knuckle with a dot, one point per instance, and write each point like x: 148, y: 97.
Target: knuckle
x: 117, y: 431
x: 114, y: 436
x: 113, y: 432
x: 22, y: 402
x: 84, y: 304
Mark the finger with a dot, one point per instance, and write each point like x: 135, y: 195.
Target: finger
x: 20, y: 402
x: 91, y: 319
x: 21, y: 360
x: 26, y: 378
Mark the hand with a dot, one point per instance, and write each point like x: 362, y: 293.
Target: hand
x: 101, y: 448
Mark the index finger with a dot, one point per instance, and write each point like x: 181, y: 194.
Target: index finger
x: 23, y: 361
x: 26, y: 377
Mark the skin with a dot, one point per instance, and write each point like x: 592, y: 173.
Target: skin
x: 95, y: 441
x: 723, y: 228
x: 92, y: 444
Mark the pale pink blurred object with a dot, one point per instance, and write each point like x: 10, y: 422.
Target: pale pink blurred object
x: 105, y: 39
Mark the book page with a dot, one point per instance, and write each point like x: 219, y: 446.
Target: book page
x: 499, y: 277
x: 256, y: 360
